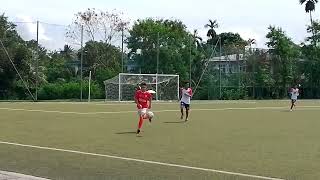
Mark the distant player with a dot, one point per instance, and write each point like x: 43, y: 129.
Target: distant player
x: 143, y: 100
x: 294, y: 96
x: 185, y: 100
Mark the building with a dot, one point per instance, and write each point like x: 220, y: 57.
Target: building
x: 233, y: 63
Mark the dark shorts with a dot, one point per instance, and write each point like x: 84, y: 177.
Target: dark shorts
x: 184, y: 105
x: 293, y: 100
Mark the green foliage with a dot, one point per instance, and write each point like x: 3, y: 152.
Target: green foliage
x: 234, y: 93
x: 314, y: 30
x: 310, y: 5
x: 100, y: 55
x: 211, y: 28
x: 174, y: 43
x: 104, y: 74
x: 284, y: 57
x: 58, y: 70
x: 19, y: 54
x: 70, y: 90
x: 229, y: 41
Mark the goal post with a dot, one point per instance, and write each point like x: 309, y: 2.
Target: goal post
x: 122, y: 87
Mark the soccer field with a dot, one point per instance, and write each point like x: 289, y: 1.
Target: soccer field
x: 224, y: 140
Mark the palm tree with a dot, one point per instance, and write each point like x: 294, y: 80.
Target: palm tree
x: 212, y: 32
x: 197, y: 38
x: 251, y: 42
x: 67, y: 51
x: 309, y: 7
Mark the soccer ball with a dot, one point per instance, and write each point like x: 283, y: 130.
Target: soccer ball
x: 150, y: 114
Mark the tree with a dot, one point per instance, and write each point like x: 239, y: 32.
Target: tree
x: 284, y: 57
x: 251, y: 42
x: 232, y: 43
x: 68, y: 52
x: 310, y: 5
x: 197, y: 38
x: 100, y: 55
x: 19, y: 54
x: 314, y: 30
x: 40, y: 53
x: 57, y: 69
x: 174, y: 42
x: 212, y: 25
x: 97, y: 25
x: 311, y: 62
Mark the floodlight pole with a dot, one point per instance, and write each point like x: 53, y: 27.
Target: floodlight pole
x: 37, y: 62
x: 89, y: 96
x: 81, y: 61
x: 157, y: 98
x: 122, y: 55
x: 190, y: 59
x: 220, y: 95
x: 119, y: 83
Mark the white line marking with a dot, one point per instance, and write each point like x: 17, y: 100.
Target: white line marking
x: 175, y: 103
x: 160, y: 111
x: 112, y: 103
x: 142, y: 161
x: 14, y: 175
x: 66, y: 112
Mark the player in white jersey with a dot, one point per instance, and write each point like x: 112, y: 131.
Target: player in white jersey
x: 294, y: 96
x: 185, y: 99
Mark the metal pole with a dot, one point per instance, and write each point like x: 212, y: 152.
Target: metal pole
x: 119, y: 81
x: 37, y: 62
x: 157, y: 87
x: 190, y: 81
x: 89, y: 96
x: 253, y: 74
x: 220, y: 70
x: 106, y: 93
x: 122, y: 55
x: 158, y: 53
x: 81, y: 61
x: 157, y: 66
x: 178, y: 87
x: 239, y: 73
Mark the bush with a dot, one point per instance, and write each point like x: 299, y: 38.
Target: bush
x: 70, y: 90
x: 234, y: 93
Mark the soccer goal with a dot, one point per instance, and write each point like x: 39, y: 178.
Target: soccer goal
x: 123, y: 86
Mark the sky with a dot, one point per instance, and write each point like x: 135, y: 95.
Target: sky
x: 249, y: 18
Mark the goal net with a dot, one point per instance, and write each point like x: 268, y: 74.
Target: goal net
x: 123, y: 86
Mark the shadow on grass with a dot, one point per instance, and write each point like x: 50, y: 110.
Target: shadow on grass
x: 286, y: 110
x: 128, y: 132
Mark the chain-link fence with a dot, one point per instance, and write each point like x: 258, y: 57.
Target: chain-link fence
x: 251, y: 73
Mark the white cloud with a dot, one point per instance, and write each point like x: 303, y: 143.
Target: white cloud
x: 29, y: 29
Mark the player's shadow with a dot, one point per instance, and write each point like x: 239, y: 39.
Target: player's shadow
x: 174, y: 122
x: 128, y: 132
x: 285, y: 111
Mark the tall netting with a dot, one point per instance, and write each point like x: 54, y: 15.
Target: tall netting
x: 123, y: 86
x: 252, y: 73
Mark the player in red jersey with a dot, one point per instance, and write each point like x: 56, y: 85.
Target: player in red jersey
x: 143, y: 100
